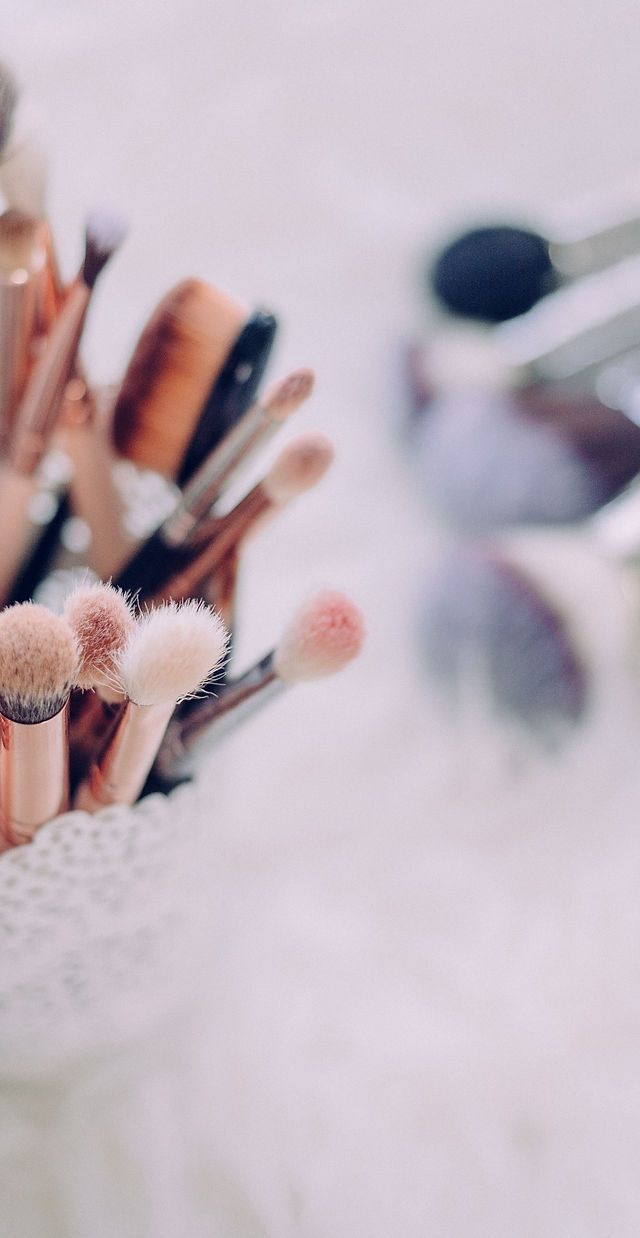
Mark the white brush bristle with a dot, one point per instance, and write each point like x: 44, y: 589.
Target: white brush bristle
x: 322, y: 637
x: 298, y: 467
x: 174, y: 649
x: 38, y: 662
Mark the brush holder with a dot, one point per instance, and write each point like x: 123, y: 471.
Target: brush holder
x: 104, y: 929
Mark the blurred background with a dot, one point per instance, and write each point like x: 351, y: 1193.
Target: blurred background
x: 424, y: 1000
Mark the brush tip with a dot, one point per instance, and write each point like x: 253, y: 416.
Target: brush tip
x: 100, y: 617
x: 104, y: 233
x: 173, y: 651
x: 324, y: 635
x: 38, y: 662
x: 287, y: 395
x: 299, y: 466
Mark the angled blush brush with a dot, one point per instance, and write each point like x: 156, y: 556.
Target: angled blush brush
x: 38, y: 663
x: 233, y: 390
x: 173, y: 651
x: 41, y: 404
x: 324, y: 636
x: 174, y: 365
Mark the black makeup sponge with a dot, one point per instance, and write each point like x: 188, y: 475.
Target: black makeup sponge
x: 493, y: 273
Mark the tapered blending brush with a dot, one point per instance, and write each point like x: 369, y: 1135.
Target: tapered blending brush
x: 323, y: 637
x: 184, y: 551
x: 233, y: 391
x: 22, y: 264
x: 174, y: 365
x: 41, y: 404
x: 102, y: 621
x: 172, y: 653
x: 38, y: 663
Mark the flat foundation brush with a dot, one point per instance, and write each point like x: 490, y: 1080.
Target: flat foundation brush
x: 41, y: 404
x: 38, y: 663
x: 324, y: 635
x: 173, y: 651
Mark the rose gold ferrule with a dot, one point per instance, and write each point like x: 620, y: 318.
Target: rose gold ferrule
x: 119, y: 775
x: 33, y: 775
x: 42, y: 401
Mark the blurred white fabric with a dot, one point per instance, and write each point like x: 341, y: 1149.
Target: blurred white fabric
x: 423, y: 1000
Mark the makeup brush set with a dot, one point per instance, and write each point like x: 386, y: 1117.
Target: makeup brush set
x: 522, y: 414
x: 111, y: 697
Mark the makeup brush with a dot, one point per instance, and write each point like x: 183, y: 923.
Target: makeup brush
x: 41, y: 403
x: 324, y: 635
x: 187, y: 537
x: 487, y: 460
x: 482, y: 616
x: 299, y: 467
x: 38, y: 663
x: 22, y: 262
x: 174, y: 365
x: 497, y: 271
x: 233, y: 390
x: 172, y: 653
x: 102, y: 621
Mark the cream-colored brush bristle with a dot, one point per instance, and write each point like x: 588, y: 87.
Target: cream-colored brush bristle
x: 38, y: 662
x: 285, y: 397
x: 174, y: 649
x: 298, y: 467
x: 101, y: 618
x: 322, y: 637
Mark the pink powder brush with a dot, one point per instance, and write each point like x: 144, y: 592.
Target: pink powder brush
x: 171, y: 654
x: 39, y: 410
x: 38, y: 663
x: 102, y: 621
x: 300, y: 465
x: 324, y: 636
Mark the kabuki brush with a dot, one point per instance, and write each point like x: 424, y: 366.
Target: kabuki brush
x: 189, y: 545
x: 324, y: 635
x: 173, y: 651
x: 38, y: 664
x: 39, y: 410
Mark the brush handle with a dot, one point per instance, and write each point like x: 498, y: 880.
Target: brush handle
x: 155, y: 563
x: 34, y: 785
x: 121, y: 771
x: 233, y: 391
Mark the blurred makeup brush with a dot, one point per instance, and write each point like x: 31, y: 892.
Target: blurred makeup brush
x: 174, y: 365
x: 22, y: 262
x: 172, y: 653
x: 187, y: 535
x: 233, y: 390
x: 482, y: 615
x: 489, y: 460
x: 102, y: 621
x: 23, y: 162
x: 41, y: 404
x: 324, y: 635
x: 38, y: 663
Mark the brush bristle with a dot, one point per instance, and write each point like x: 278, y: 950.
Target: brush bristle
x: 323, y: 636
x: 302, y: 463
x: 287, y: 395
x: 38, y: 662
x: 8, y: 98
x: 101, y: 619
x: 173, y: 651
x: 104, y: 234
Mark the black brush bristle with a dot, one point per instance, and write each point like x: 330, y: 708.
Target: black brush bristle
x: 493, y: 273
x: 105, y: 232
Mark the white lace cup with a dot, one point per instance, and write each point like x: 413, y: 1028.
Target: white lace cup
x: 103, y: 929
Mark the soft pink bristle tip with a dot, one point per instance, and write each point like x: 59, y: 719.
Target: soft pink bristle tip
x: 323, y: 637
x: 102, y: 621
